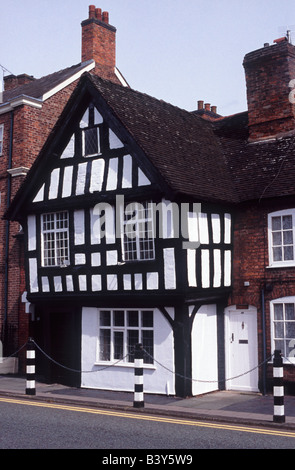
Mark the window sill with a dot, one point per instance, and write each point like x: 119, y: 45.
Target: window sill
x: 123, y: 364
x: 281, y: 265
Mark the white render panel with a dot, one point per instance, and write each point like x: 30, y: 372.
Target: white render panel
x: 97, y: 174
x: 127, y: 172
x: 112, y: 178
x: 142, y: 178
x: 193, y: 227
x: 112, y: 257
x: 205, y: 260
x: 191, y: 268
x: 95, y: 259
x: 31, y: 232
x: 67, y: 182
x: 33, y: 273
x: 98, y: 119
x: 217, y: 268
x: 127, y: 282
x: 80, y: 258
x: 82, y: 282
x: 216, y: 229
x: 45, y: 284
x: 79, y: 227
x: 169, y: 268
x: 227, y: 228
x: 81, y: 178
x: 115, y: 142
x: 69, y: 151
x: 54, y: 181
x: 121, y: 377
x: 227, y: 268
x: 112, y: 282
x: 94, y: 228
x: 152, y: 281
x: 96, y: 282
x: 57, y: 283
x: 40, y: 194
x: 138, y: 281
x: 69, y: 283
x: 203, y: 226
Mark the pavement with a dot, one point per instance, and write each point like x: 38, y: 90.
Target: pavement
x: 223, y: 406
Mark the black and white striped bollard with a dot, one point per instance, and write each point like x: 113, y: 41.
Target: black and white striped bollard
x: 138, y: 377
x: 30, y: 368
x: 278, y: 388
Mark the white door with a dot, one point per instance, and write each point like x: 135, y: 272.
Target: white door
x: 241, y: 349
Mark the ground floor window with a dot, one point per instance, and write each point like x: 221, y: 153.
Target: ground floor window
x: 283, y: 326
x: 120, y: 331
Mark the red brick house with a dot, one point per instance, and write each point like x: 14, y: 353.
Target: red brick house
x: 29, y: 109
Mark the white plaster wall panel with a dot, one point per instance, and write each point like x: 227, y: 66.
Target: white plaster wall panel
x: 127, y: 172
x: 81, y: 179
x: 112, y: 178
x: 152, y: 281
x: 138, y: 281
x: 82, y: 279
x: 115, y: 142
x: 112, y: 282
x: 33, y: 275
x: 110, y: 228
x: 40, y: 194
x: 57, y: 282
x: 54, y: 181
x: 204, y: 351
x: 217, y: 268
x: 67, y: 181
x: 102, y: 220
x: 69, y: 283
x: 216, y: 229
x: 69, y: 151
x: 80, y: 258
x: 205, y: 260
x: 227, y: 268
x: 227, y: 228
x: 79, y: 227
x: 193, y: 227
x: 85, y: 120
x: 95, y: 259
x: 112, y: 257
x: 96, y: 282
x: 168, y: 215
x: 169, y: 268
x: 203, y: 227
x: 191, y: 268
x: 97, y: 174
x: 142, y: 178
x: 157, y: 379
x: 98, y: 119
x: 45, y: 284
x: 31, y: 232
x: 95, y: 236
x: 127, y: 281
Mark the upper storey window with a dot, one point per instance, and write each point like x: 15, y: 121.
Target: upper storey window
x: 55, y: 239
x: 281, y: 237
x: 90, y: 125
x: 137, y: 237
x: 1, y: 138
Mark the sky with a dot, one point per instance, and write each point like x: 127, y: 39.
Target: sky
x: 180, y: 51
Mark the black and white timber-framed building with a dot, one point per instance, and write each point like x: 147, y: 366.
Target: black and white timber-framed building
x: 127, y: 218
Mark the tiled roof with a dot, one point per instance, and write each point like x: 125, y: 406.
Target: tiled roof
x: 181, y: 145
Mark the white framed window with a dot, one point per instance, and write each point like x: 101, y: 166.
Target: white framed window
x: 119, y: 332
x: 138, y: 232
x: 1, y: 138
x: 55, y: 239
x: 281, y: 238
x: 283, y: 326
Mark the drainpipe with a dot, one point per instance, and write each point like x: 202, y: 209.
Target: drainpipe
x: 7, y: 231
x: 263, y: 344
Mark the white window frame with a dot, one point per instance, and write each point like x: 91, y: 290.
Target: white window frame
x: 60, y: 244
x: 137, y: 234
x: 1, y: 138
x: 125, y: 357
x: 288, y: 342
x: 281, y: 263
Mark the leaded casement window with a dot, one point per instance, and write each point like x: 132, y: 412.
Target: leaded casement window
x: 120, y: 331
x: 55, y: 239
x: 138, y: 232
x: 281, y: 238
x: 90, y: 125
x: 1, y: 138
x: 283, y: 326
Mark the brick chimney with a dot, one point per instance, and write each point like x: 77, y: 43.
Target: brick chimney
x: 269, y: 72
x: 14, y: 81
x: 99, y: 43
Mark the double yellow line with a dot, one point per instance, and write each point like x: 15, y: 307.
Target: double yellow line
x: 159, y: 419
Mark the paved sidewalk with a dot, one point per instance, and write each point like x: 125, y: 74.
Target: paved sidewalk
x: 228, y: 406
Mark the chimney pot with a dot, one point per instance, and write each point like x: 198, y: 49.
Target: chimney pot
x: 91, y: 11
x: 214, y: 109
x: 200, y: 104
x: 98, y: 14
x: 105, y: 17
x: 207, y: 106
